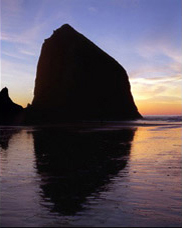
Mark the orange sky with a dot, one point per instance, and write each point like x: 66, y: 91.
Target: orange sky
x: 156, y: 108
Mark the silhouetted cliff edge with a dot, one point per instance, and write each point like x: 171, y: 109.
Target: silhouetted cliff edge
x: 76, y: 80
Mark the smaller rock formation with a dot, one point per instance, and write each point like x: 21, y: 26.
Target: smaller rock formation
x: 10, y: 113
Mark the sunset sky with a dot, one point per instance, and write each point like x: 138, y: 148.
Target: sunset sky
x: 144, y: 36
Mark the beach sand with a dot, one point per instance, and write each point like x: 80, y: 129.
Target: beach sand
x: 137, y: 183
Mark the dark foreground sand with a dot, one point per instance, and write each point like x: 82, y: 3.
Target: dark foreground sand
x: 141, y: 186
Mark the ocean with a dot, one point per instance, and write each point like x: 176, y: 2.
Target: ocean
x: 115, y: 173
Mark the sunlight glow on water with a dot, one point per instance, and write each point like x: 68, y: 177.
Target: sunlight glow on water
x: 132, y: 177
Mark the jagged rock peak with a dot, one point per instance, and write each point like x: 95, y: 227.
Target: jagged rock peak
x: 66, y: 27
x: 64, y: 30
x: 9, y: 111
x: 6, y: 102
x: 4, y: 92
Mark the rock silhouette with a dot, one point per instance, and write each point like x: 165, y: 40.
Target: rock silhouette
x: 10, y: 113
x: 76, y: 80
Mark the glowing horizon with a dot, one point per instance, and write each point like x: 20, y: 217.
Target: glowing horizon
x: 143, y: 36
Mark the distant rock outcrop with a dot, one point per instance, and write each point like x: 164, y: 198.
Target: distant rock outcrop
x: 10, y: 113
x: 76, y: 80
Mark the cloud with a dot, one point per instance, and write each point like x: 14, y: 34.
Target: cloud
x: 151, y: 90
x: 27, y: 52
x: 145, y: 71
x: 159, y: 60
x: 92, y: 9
x: 12, y: 6
x: 29, y: 36
x: 157, y: 79
x: 11, y: 54
x: 13, y: 38
x: 166, y: 99
x: 152, y: 48
x: 20, y: 71
x: 173, y: 78
x: 11, y: 14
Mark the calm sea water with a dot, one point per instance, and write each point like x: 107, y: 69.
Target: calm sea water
x: 92, y: 174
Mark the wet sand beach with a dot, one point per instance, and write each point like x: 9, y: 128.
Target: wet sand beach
x: 108, y: 174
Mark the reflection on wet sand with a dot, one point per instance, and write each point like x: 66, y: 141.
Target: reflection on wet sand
x: 5, y: 135
x: 75, y: 164
x: 112, y: 175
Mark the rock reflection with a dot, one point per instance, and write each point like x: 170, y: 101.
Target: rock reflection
x: 73, y: 164
x: 5, y: 135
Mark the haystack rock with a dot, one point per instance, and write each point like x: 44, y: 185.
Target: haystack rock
x: 10, y: 113
x: 76, y: 80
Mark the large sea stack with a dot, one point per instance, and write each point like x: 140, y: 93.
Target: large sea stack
x: 76, y: 80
